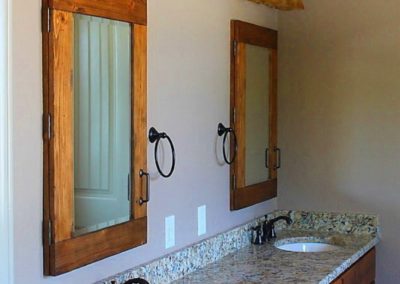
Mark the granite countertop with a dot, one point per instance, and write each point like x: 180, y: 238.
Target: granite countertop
x: 268, y: 264
x: 230, y: 257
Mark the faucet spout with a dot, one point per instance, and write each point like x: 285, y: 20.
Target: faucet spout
x: 269, y: 227
x: 286, y: 218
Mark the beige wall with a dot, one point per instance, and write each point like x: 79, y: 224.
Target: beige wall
x: 189, y: 57
x: 339, y: 114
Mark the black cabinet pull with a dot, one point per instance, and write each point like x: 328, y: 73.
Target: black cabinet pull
x: 155, y: 136
x: 267, y: 158
x: 222, y: 130
x: 147, y: 175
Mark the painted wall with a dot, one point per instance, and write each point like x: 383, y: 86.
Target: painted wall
x: 188, y: 95
x: 339, y: 114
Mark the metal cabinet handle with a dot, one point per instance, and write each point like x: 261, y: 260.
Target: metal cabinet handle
x: 147, y: 175
x: 267, y: 158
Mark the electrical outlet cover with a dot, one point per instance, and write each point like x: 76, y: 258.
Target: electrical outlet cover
x: 201, y: 220
x: 169, y: 232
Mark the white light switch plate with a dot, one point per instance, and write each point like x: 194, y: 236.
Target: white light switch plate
x: 201, y: 220
x: 169, y: 232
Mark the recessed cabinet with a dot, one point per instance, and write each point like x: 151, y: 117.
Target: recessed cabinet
x: 253, y: 114
x: 95, y: 122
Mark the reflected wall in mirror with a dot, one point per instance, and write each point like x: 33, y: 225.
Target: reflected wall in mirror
x: 253, y: 114
x: 256, y: 114
x: 95, y: 130
x: 102, y: 115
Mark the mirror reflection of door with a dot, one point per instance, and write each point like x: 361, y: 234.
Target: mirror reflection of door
x: 102, y: 128
x: 256, y: 100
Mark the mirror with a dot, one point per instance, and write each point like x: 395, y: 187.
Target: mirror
x: 253, y: 114
x: 256, y: 114
x: 102, y: 128
x: 94, y: 130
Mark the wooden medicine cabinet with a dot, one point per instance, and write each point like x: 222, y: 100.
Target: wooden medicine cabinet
x: 253, y: 114
x: 94, y: 130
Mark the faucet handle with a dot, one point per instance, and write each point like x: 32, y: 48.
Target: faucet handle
x: 257, y: 236
x: 273, y: 233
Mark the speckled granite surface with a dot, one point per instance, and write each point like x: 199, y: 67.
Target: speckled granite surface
x: 268, y: 264
x: 185, y: 261
x: 230, y: 258
x: 346, y: 223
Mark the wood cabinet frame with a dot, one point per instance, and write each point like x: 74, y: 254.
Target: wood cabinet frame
x: 243, y: 33
x: 62, y: 251
x: 362, y: 271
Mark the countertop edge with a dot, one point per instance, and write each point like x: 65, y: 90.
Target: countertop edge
x: 350, y: 261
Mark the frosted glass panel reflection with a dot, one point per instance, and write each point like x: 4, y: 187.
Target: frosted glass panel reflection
x: 257, y: 111
x: 102, y: 114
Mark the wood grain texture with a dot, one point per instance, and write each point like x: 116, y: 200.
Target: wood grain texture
x: 253, y: 194
x: 133, y: 11
x: 255, y: 35
x: 80, y: 251
x: 240, y: 107
x: 284, y: 5
x: 139, y: 122
x: 366, y: 272
x: 62, y: 39
x: 242, y: 34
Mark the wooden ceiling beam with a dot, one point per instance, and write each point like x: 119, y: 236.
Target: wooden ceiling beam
x: 282, y: 4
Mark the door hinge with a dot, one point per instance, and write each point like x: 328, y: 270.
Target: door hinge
x: 72, y: 79
x: 48, y: 20
x: 129, y: 188
x: 46, y: 15
x: 235, y: 44
x: 47, y: 126
x: 49, y: 232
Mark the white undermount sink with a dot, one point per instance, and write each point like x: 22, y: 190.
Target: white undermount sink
x: 307, y: 247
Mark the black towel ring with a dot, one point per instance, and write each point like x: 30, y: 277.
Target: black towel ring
x: 222, y: 130
x: 155, y: 136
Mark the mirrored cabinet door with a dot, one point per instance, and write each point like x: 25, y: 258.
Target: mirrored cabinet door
x: 253, y: 114
x: 95, y: 122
